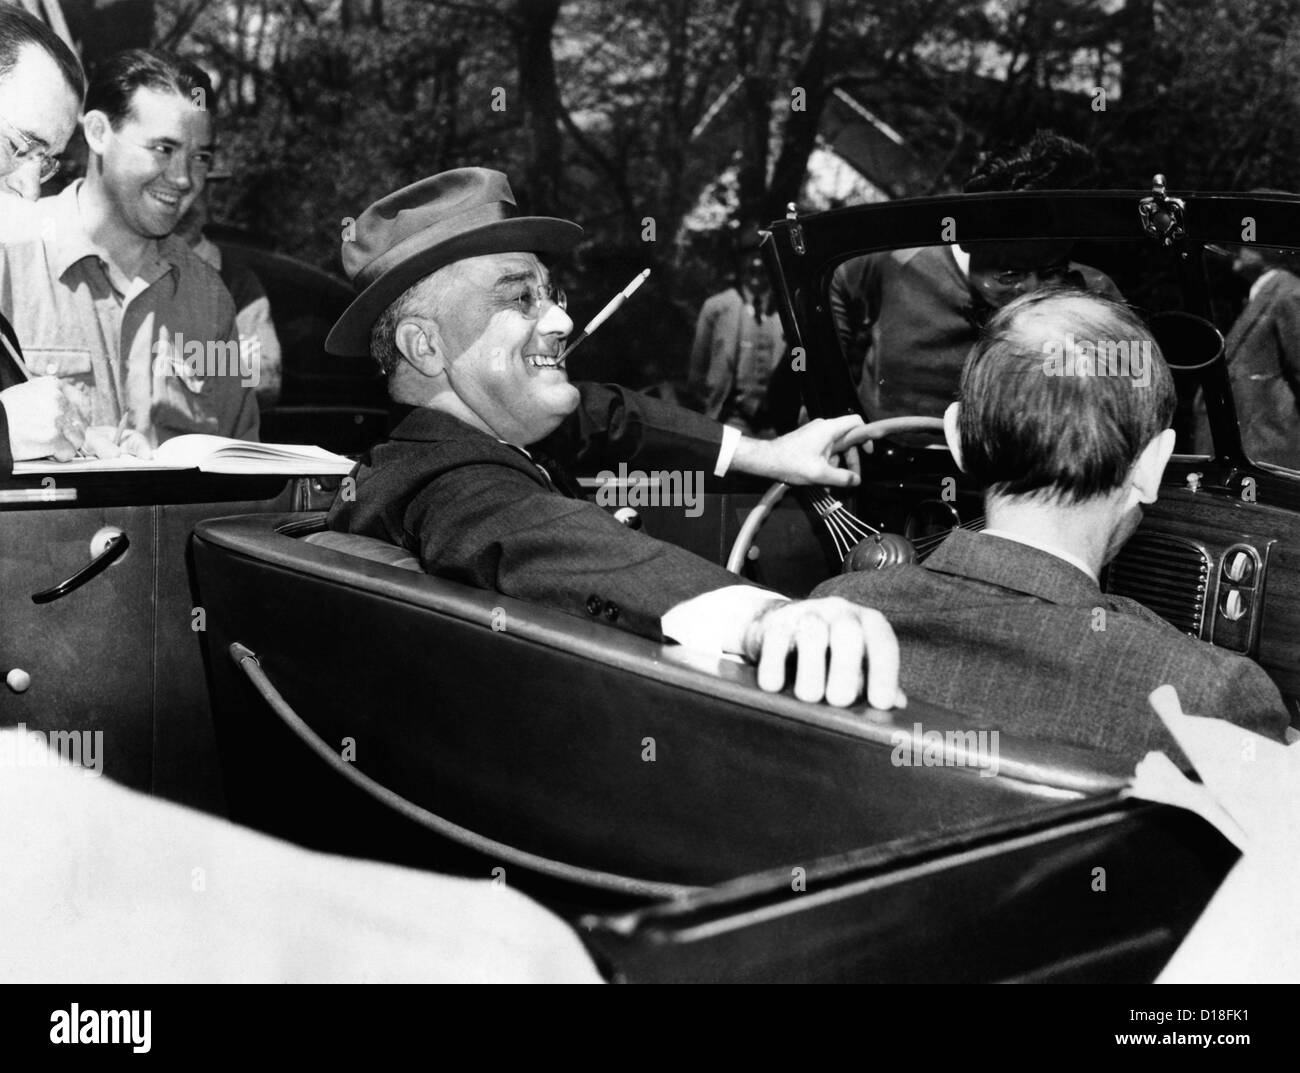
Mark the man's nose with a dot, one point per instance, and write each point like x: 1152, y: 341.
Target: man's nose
x: 179, y: 171
x: 25, y: 180
x: 555, y: 321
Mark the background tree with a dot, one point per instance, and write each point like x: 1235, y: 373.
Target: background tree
x: 653, y: 122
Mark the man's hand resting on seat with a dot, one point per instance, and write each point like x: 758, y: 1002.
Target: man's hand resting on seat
x: 805, y: 456
x: 850, y: 633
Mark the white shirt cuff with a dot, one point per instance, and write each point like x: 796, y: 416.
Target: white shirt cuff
x: 730, y: 441
x: 715, y: 622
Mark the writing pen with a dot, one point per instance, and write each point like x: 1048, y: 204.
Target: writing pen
x: 611, y: 307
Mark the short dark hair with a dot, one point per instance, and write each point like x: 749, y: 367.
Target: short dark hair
x: 1025, y: 431
x: 1048, y: 161
x: 18, y: 29
x: 114, y: 82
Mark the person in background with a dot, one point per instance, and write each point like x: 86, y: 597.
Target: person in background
x: 41, y: 89
x: 738, y: 344
x: 906, y: 319
x: 101, y: 293
x: 1263, y: 354
x: 257, y: 338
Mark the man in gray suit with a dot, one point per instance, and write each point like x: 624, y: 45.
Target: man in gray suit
x: 1010, y: 625
x: 1263, y: 352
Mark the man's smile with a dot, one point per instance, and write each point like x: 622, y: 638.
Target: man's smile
x: 168, y: 200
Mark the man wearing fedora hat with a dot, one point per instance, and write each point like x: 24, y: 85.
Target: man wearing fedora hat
x: 460, y: 312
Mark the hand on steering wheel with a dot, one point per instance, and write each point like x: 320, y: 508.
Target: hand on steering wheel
x: 872, y: 430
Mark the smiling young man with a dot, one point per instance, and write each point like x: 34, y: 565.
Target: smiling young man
x: 461, y: 314
x: 102, y: 295
x: 41, y: 87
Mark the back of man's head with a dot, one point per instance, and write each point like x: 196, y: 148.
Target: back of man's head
x: 1060, y: 396
x: 19, y: 31
x: 116, y: 80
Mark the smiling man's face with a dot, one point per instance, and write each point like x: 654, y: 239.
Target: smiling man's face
x: 38, y: 107
x: 501, y: 362
x: 154, y: 164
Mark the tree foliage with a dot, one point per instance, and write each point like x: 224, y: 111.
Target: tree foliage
x: 625, y: 114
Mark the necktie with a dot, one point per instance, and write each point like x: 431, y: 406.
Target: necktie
x: 557, y: 480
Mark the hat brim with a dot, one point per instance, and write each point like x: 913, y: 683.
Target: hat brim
x: 350, y: 336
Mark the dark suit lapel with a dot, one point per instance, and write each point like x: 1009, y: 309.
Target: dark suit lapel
x: 420, y: 424
x: 557, y: 477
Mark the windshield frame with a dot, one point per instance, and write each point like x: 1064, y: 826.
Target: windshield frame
x: 802, y: 252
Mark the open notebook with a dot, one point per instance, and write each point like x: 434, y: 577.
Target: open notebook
x: 211, y: 454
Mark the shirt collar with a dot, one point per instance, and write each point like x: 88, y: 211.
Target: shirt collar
x: 1073, y: 560
x: 1014, y: 565
x: 1258, y: 285
x: 207, y: 250
x: 962, y: 258
x: 71, y: 244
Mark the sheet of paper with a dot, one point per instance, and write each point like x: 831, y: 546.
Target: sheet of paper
x: 1250, y: 931
x: 1250, y: 791
x: 1254, y: 780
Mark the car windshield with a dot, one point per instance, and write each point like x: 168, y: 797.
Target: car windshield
x: 905, y: 319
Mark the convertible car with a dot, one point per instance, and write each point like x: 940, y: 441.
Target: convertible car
x: 242, y: 660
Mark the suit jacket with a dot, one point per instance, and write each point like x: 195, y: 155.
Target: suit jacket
x: 906, y: 321
x: 10, y: 375
x: 482, y: 512
x: 1028, y: 643
x: 1263, y: 352
x: 733, y: 358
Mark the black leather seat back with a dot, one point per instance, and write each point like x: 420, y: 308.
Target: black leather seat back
x: 559, y: 736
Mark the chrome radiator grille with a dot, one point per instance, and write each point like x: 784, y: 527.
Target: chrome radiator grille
x: 1169, y: 574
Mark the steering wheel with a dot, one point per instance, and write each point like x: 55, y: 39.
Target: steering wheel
x: 825, y: 503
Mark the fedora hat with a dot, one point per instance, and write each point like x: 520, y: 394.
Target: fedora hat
x: 405, y: 236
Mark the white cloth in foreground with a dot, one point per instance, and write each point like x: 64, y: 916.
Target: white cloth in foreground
x: 1250, y: 790
x: 102, y: 884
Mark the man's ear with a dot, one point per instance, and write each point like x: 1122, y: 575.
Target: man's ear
x: 421, y: 346
x: 1145, y: 475
x: 96, y: 127
x: 952, y: 432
